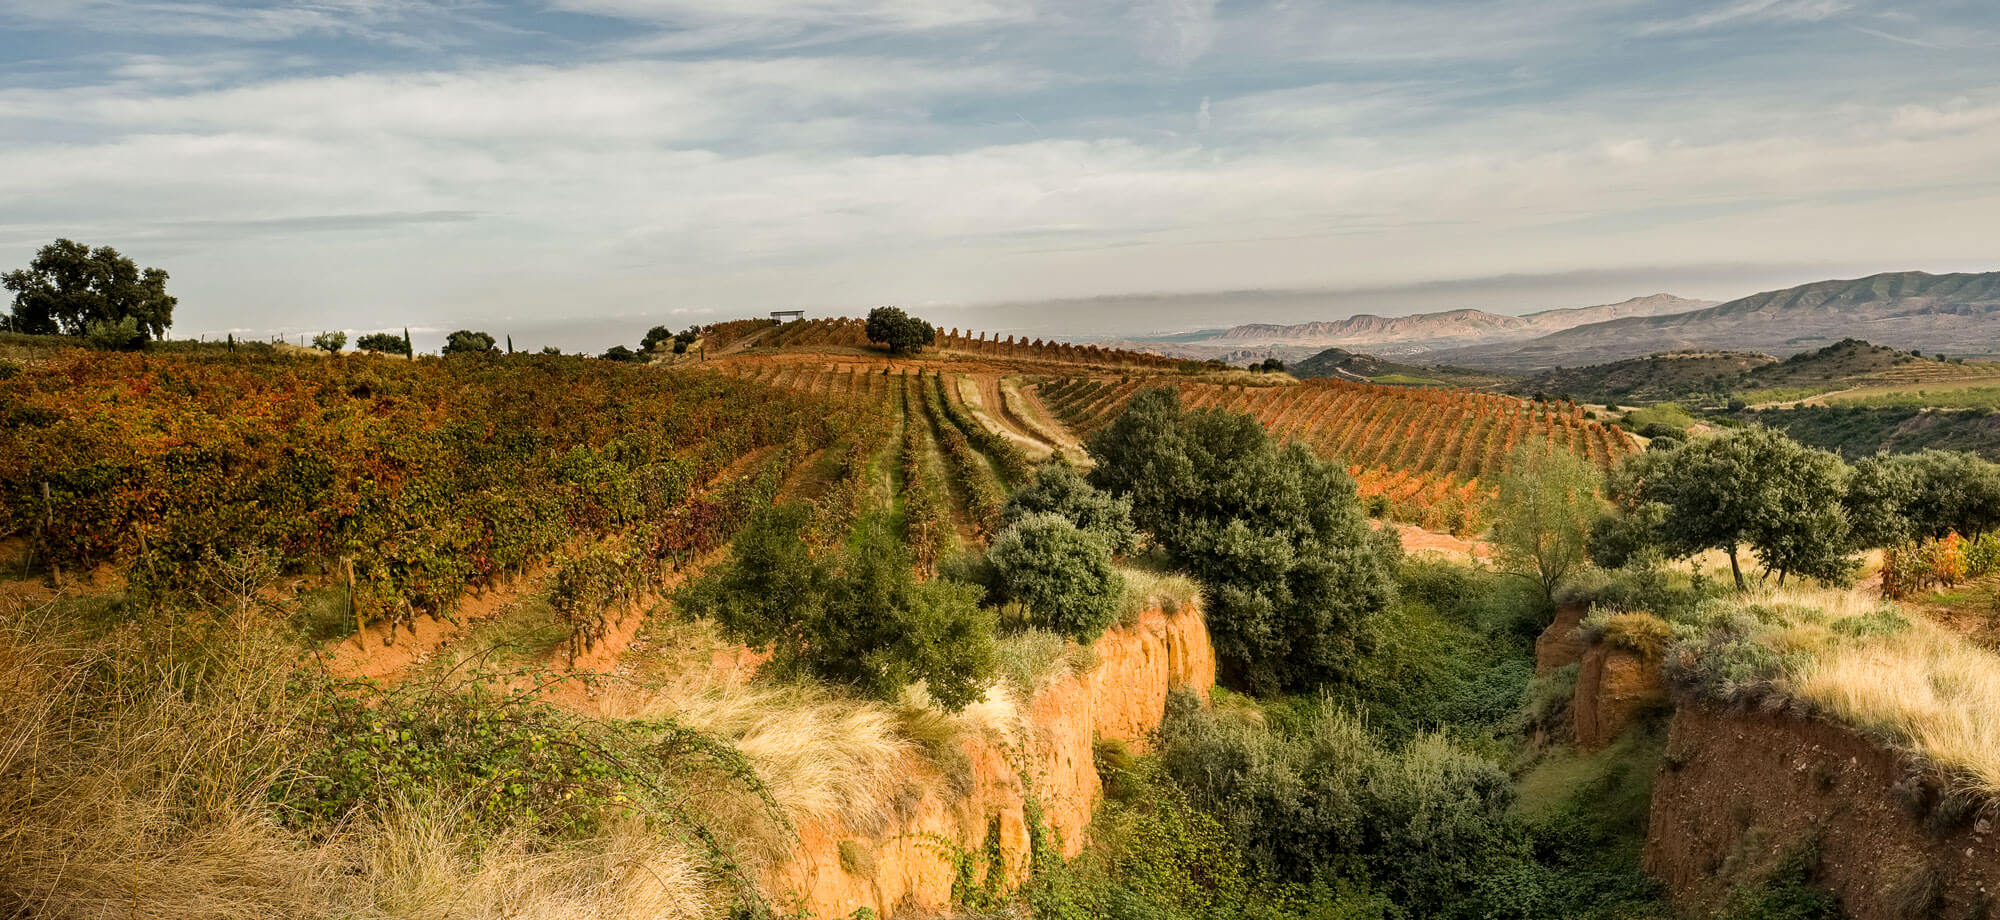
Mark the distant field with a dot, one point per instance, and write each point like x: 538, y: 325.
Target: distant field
x: 1976, y: 393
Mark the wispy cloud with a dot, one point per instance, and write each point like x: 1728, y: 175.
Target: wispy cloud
x: 1750, y: 11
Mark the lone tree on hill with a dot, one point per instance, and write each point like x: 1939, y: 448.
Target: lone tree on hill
x: 468, y: 342
x: 1755, y: 488
x: 70, y: 287
x: 900, y: 331
x: 330, y: 342
x: 385, y: 343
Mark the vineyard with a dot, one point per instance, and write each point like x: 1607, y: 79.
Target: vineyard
x: 417, y: 480
x: 952, y: 472
x: 849, y: 333
x: 1417, y: 454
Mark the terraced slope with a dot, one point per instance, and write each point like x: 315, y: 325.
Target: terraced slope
x: 1423, y: 453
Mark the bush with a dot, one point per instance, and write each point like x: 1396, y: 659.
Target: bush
x: 898, y: 330
x: 1061, y: 574
x: 1427, y: 823
x: 114, y: 335
x: 1058, y: 488
x: 859, y: 618
x: 498, y: 753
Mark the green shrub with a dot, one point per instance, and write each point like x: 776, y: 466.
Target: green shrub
x: 1061, y: 574
x: 858, y: 618
x: 1294, y: 575
x: 1426, y: 823
x: 1058, y: 488
x: 1640, y: 633
x: 496, y: 751
x: 1789, y: 892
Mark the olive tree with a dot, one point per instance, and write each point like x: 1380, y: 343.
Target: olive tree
x: 330, y: 342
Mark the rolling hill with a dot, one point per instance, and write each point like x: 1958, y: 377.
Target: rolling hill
x: 1429, y: 331
x: 1347, y: 365
x: 1952, y: 313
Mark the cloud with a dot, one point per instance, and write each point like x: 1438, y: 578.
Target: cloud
x: 836, y: 154
x: 1178, y: 32
x: 1743, y: 11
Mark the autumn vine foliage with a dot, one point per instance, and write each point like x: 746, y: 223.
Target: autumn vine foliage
x: 429, y: 477
x: 1427, y: 456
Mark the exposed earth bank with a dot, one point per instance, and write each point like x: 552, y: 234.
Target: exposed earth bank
x: 1742, y: 790
x: 1045, y: 764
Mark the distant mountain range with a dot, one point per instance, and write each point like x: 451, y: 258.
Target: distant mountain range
x: 1957, y: 314
x: 1408, y: 335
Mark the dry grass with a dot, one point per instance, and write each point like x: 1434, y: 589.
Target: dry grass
x: 1148, y: 590
x: 821, y: 756
x: 136, y: 783
x: 1927, y: 690
x: 1896, y: 677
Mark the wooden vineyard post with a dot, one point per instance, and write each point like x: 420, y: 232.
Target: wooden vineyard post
x: 353, y: 609
x: 48, y: 524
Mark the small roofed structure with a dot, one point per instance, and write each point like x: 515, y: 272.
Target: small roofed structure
x: 787, y: 315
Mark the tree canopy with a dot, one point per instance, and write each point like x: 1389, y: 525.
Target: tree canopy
x: 1062, y: 575
x: 69, y: 287
x: 330, y: 342
x: 1294, y: 574
x: 898, y: 330
x: 1058, y: 488
x: 1542, y: 516
x: 1753, y: 488
x: 468, y: 342
x: 1927, y: 494
x: 387, y: 343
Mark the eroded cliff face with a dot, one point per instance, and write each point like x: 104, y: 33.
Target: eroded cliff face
x: 1615, y: 689
x: 1741, y: 789
x: 1047, y: 760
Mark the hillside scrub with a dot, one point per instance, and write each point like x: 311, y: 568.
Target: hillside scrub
x: 1293, y: 573
x: 1061, y: 574
x: 859, y: 618
x: 192, y: 781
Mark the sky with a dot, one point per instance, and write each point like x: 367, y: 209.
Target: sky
x: 574, y: 171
